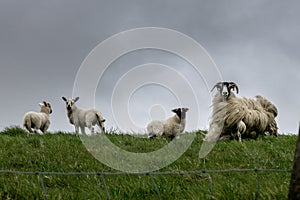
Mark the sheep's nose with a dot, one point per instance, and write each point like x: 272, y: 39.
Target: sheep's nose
x: 225, y: 93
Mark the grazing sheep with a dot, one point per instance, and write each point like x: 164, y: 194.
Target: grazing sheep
x: 172, y: 127
x: 38, y: 120
x: 240, y: 117
x: 83, y: 118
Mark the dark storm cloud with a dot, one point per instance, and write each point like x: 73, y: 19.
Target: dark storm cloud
x: 43, y: 43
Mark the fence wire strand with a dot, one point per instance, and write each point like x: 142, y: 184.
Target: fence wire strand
x: 150, y: 174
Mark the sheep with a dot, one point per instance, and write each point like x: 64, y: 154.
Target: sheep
x: 172, y: 127
x: 83, y: 118
x: 38, y: 120
x: 240, y: 117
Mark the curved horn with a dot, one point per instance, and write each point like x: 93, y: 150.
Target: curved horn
x: 217, y: 85
x: 234, y: 86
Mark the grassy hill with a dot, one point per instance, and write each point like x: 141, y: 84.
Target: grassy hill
x: 62, y: 152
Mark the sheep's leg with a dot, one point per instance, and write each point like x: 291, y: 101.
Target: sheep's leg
x: 45, y: 127
x: 103, y: 129
x: 241, y: 128
x: 36, y: 130
x: 77, y: 129
x: 151, y: 135
x: 90, y: 126
x: 239, y: 136
x: 82, y: 129
x: 28, y: 128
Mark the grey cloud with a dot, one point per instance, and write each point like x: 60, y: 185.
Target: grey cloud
x: 43, y: 43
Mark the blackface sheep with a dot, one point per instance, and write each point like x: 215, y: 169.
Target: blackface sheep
x: 234, y: 117
x: 38, y: 120
x: 172, y: 127
x: 83, y: 118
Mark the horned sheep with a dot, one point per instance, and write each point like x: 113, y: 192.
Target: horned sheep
x: 82, y: 118
x: 234, y: 117
x: 38, y: 120
x: 172, y: 127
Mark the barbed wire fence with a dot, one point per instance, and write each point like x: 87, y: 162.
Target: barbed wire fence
x: 151, y: 176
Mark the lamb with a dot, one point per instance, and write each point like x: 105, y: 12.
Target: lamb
x: 38, y: 120
x: 172, y: 127
x: 240, y: 117
x: 83, y: 118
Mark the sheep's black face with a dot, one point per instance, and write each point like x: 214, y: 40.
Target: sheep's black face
x: 225, y: 88
x: 180, y: 112
x: 70, y: 102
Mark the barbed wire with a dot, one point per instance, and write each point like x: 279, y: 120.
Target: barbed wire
x: 150, y: 174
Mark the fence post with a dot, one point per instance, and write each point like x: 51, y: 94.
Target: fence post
x: 155, y: 185
x: 294, y: 191
x: 42, y: 185
x: 105, y: 186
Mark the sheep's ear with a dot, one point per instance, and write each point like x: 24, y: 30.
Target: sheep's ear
x: 185, y: 109
x: 76, y: 99
x: 64, y: 98
x: 103, y: 120
x: 175, y: 110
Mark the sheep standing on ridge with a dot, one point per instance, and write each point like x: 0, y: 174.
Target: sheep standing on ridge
x: 240, y: 117
x: 83, y: 118
x: 172, y: 127
x: 38, y: 120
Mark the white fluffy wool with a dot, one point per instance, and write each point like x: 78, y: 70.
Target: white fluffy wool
x: 172, y: 127
x: 38, y: 120
x: 82, y: 118
x: 241, y: 116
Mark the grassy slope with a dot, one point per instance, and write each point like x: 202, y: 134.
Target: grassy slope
x: 64, y: 153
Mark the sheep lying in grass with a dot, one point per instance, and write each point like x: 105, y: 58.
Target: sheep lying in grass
x: 83, y: 118
x: 172, y: 127
x: 240, y: 117
x: 38, y: 120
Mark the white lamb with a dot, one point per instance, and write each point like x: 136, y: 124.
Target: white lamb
x: 83, y: 118
x: 172, y: 127
x: 38, y: 120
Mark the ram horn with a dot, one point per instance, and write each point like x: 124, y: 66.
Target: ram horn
x: 234, y: 86
x: 217, y: 85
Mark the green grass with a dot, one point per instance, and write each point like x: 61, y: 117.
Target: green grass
x: 63, y: 152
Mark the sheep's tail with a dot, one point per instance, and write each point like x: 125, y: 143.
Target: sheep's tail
x: 100, y: 120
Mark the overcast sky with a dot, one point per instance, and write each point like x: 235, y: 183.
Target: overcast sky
x: 43, y: 44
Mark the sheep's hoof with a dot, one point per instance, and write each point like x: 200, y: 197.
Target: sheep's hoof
x: 151, y: 136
